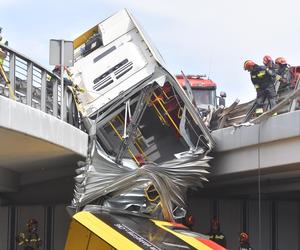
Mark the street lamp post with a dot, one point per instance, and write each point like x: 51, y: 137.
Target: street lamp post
x: 62, y: 68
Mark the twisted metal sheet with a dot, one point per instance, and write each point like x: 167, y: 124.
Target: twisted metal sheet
x: 103, y: 178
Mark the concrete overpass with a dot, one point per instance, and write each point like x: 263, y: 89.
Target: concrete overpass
x: 36, y: 147
x: 38, y: 150
x: 270, y: 149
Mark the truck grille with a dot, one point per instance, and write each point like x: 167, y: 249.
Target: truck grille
x: 104, y: 82
x: 123, y: 69
x: 119, y: 70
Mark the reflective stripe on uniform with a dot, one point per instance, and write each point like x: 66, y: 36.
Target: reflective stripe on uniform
x: 219, y: 237
x: 259, y: 111
x: 261, y: 73
x: 34, y: 240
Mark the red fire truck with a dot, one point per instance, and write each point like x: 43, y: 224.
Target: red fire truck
x: 203, y: 90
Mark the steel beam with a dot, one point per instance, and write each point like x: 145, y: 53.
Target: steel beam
x: 43, y: 90
x: 29, y: 83
x: 55, y: 98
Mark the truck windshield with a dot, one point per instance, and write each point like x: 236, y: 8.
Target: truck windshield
x: 203, y: 96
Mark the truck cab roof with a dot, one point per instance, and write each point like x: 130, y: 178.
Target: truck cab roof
x: 197, y: 81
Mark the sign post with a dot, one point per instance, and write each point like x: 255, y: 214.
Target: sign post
x: 62, y: 54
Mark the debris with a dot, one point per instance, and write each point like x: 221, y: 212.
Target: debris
x: 146, y: 132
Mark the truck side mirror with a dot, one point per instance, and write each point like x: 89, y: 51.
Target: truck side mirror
x: 223, y: 94
x: 222, y: 98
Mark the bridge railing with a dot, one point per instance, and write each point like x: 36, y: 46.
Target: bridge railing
x: 31, y: 83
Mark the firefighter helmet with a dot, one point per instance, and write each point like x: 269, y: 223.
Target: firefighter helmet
x: 280, y: 60
x: 244, y: 236
x: 215, y: 224
x: 189, y: 221
x: 267, y: 59
x: 32, y: 222
x: 248, y: 65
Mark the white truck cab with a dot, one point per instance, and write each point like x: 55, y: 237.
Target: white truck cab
x: 111, y: 59
x: 115, y: 62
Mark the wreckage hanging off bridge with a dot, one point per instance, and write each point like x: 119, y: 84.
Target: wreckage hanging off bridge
x: 147, y: 138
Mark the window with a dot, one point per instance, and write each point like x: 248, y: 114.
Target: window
x: 203, y: 96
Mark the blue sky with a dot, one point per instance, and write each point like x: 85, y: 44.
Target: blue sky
x: 211, y: 37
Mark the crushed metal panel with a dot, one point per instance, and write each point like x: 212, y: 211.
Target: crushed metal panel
x: 150, y: 134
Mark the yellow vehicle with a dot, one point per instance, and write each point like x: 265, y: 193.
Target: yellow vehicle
x: 107, y: 231
x: 146, y: 133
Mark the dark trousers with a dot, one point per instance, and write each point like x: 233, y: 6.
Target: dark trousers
x: 268, y: 93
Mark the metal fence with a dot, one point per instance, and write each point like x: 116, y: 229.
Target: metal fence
x: 31, y: 83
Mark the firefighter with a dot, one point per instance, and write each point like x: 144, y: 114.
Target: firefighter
x: 215, y: 233
x: 271, y: 65
x: 263, y: 80
x: 30, y: 239
x: 244, y: 242
x: 268, y: 62
x: 188, y: 221
x: 3, y: 53
x: 66, y: 74
x: 283, y: 71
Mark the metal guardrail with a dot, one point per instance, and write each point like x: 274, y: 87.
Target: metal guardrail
x: 31, y: 83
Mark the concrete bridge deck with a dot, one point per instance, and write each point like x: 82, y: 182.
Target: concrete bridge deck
x: 270, y: 148
x: 36, y: 146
